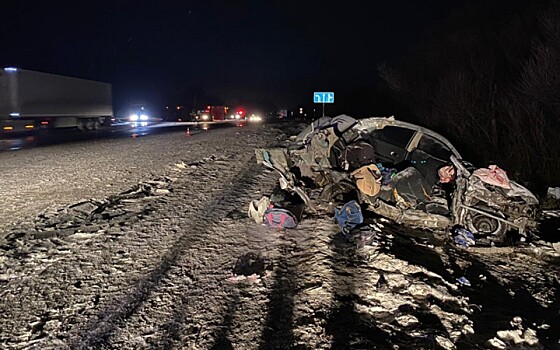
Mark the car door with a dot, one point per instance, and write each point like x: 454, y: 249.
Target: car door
x: 391, y: 143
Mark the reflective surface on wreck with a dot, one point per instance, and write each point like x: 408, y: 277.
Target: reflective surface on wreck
x: 394, y: 169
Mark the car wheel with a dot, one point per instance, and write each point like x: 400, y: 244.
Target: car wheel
x: 483, y: 224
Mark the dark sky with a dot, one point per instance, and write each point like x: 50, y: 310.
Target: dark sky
x: 161, y: 52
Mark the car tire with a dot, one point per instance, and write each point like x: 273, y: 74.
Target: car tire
x: 485, y: 225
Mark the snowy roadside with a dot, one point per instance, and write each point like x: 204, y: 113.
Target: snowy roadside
x: 154, y: 267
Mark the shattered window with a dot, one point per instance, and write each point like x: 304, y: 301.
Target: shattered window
x: 434, y: 148
x: 394, y: 135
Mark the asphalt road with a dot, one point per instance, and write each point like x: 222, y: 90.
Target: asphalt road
x: 41, y: 138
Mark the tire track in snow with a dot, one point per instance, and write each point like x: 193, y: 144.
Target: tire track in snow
x: 88, y: 272
x: 196, y: 304
x: 98, y: 332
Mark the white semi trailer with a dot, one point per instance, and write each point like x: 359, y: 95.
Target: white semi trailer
x: 32, y: 100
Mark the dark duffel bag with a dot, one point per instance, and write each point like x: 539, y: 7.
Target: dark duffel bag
x: 356, y: 154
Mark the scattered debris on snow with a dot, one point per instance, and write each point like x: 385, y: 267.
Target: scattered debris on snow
x: 517, y: 337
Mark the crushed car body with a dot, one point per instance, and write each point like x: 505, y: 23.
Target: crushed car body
x: 401, y: 171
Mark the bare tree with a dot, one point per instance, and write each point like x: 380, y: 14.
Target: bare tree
x: 493, y: 87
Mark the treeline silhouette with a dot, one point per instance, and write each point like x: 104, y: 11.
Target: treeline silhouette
x: 488, y: 78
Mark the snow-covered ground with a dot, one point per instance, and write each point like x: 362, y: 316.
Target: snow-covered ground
x: 131, y: 244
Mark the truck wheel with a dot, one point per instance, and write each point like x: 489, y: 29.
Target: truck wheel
x: 81, y: 125
x: 90, y: 124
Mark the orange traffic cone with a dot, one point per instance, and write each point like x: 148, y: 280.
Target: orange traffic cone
x: 188, y: 131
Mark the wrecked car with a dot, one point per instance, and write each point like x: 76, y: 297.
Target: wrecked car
x: 401, y: 171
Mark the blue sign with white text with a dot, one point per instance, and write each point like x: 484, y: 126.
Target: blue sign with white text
x: 323, y: 97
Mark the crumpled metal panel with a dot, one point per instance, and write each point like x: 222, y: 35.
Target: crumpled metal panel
x: 376, y: 123
x: 513, y: 208
x: 473, y: 196
x: 409, y: 217
x: 316, y: 154
x: 277, y: 159
x: 477, y: 191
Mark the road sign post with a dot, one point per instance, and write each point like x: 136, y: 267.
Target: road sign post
x: 323, y: 97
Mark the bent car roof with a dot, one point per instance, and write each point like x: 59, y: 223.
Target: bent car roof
x: 376, y: 123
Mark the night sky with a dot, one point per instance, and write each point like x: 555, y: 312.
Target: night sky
x: 232, y: 52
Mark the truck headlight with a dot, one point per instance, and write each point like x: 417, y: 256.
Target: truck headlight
x: 144, y: 117
x: 133, y: 117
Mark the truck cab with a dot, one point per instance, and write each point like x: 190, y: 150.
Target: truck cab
x: 212, y: 113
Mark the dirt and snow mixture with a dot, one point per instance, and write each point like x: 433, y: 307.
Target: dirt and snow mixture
x: 132, y: 244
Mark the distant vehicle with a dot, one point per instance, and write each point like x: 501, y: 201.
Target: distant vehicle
x: 139, y: 115
x: 32, y: 100
x: 212, y: 113
x: 239, y: 114
x: 254, y: 118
